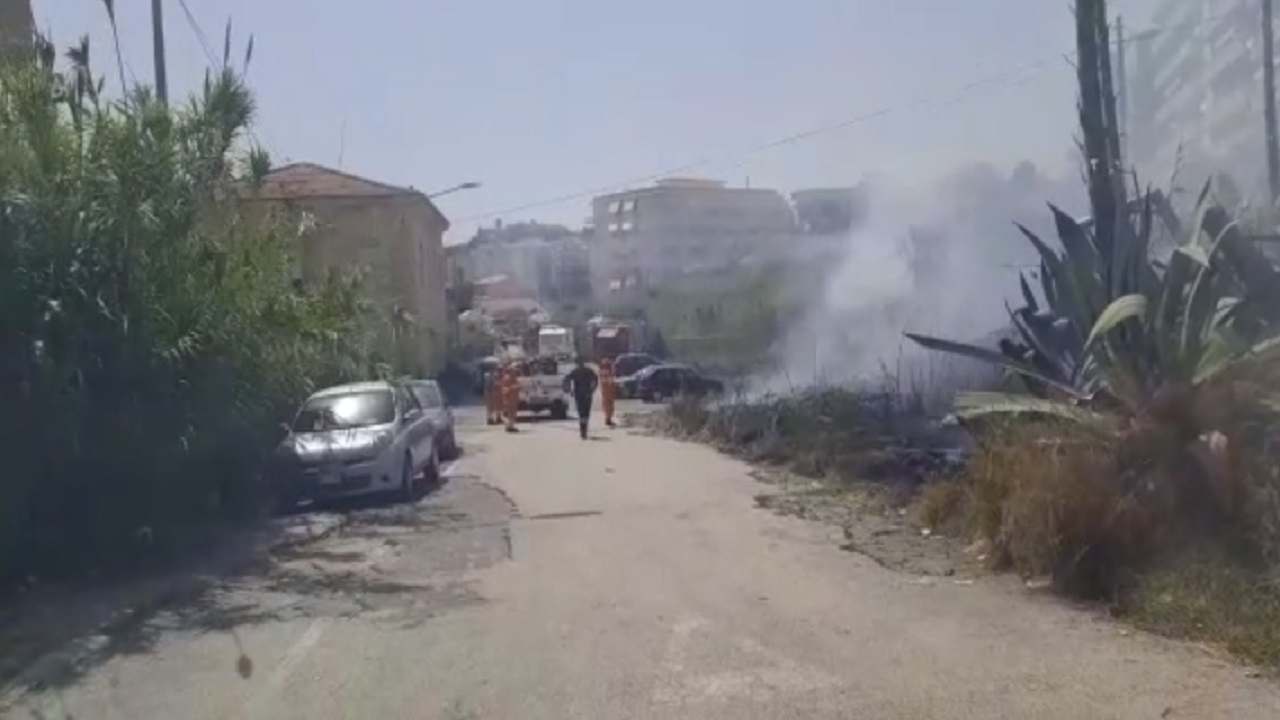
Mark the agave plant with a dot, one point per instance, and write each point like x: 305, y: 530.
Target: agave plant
x: 1112, y: 326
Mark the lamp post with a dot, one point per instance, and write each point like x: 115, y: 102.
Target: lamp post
x: 455, y: 188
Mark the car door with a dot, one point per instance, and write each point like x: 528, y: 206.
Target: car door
x: 696, y: 383
x: 418, y: 428
x: 667, y: 381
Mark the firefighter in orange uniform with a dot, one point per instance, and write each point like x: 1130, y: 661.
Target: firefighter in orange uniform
x: 608, y: 390
x: 510, y: 395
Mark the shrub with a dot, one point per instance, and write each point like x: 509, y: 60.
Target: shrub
x: 151, y: 336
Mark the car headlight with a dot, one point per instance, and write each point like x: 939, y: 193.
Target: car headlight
x: 377, y: 445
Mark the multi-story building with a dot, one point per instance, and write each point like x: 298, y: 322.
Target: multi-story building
x: 392, y: 235
x: 548, y: 261
x: 829, y: 211
x: 644, y: 236
x: 1196, y: 98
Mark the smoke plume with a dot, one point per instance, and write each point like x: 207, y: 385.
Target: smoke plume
x: 939, y: 261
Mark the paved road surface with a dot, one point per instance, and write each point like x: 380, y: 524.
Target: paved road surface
x: 623, y: 577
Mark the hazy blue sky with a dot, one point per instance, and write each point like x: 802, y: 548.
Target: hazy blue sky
x: 547, y: 98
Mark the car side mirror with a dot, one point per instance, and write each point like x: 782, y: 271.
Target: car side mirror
x: 285, y: 427
x: 411, y: 415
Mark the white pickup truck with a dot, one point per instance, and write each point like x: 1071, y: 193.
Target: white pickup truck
x: 542, y: 387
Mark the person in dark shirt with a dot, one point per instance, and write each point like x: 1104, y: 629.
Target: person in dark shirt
x: 581, y: 382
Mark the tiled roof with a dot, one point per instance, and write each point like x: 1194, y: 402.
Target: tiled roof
x: 302, y: 180
x: 299, y: 181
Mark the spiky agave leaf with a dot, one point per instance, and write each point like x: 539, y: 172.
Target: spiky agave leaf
x: 970, y: 405
x: 978, y: 353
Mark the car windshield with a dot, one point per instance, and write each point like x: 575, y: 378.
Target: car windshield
x: 346, y: 410
x: 428, y: 395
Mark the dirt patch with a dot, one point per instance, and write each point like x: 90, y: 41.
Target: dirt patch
x: 876, y: 521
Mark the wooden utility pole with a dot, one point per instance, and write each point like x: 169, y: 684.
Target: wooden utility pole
x: 1122, y: 90
x: 1269, y: 100
x: 157, y: 46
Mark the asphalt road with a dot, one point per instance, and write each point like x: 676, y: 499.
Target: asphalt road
x: 621, y: 577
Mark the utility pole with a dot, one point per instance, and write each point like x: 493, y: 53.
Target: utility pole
x: 1122, y: 90
x: 157, y: 46
x: 1269, y: 100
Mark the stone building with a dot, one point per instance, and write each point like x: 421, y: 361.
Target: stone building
x: 394, y: 235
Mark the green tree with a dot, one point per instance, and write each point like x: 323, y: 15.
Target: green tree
x: 152, y: 335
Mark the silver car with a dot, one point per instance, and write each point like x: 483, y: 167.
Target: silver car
x: 437, y: 409
x: 356, y: 439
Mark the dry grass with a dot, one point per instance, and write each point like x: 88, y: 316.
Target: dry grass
x: 1184, y: 543
x: 1212, y: 598
x: 1124, y: 518
x: 942, y: 507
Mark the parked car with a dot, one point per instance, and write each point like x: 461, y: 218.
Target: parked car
x: 670, y: 380
x: 353, y: 440
x: 631, y: 363
x: 629, y: 385
x: 628, y: 368
x: 434, y: 403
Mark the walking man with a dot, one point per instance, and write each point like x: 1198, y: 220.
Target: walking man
x: 581, y: 382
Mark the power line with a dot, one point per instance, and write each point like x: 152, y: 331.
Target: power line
x: 201, y: 38
x: 1001, y: 80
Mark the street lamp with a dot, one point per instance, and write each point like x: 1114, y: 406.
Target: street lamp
x: 455, y: 188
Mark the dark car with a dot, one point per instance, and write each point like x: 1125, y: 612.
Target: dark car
x: 628, y: 367
x: 670, y: 380
x: 629, y: 385
x: 628, y: 364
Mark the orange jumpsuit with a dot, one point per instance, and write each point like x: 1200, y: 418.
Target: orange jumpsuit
x: 511, y: 395
x: 608, y: 390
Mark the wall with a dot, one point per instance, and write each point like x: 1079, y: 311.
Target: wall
x: 397, y: 242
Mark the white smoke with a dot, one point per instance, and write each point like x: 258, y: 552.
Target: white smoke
x: 937, y: 262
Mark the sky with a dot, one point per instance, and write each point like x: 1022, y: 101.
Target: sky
x: 545, y: 102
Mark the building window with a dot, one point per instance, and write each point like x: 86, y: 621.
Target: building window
x: 615, y: 207
x: 628, y: 206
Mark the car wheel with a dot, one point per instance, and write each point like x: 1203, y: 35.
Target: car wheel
x: 448, y: 446
x: 559, y: 410
x: 431, y: 473
x: 407, y: 490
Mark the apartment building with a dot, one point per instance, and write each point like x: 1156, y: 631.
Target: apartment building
x: 680, y: 225
x: 548, y: 261
x: 1196, y: 99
